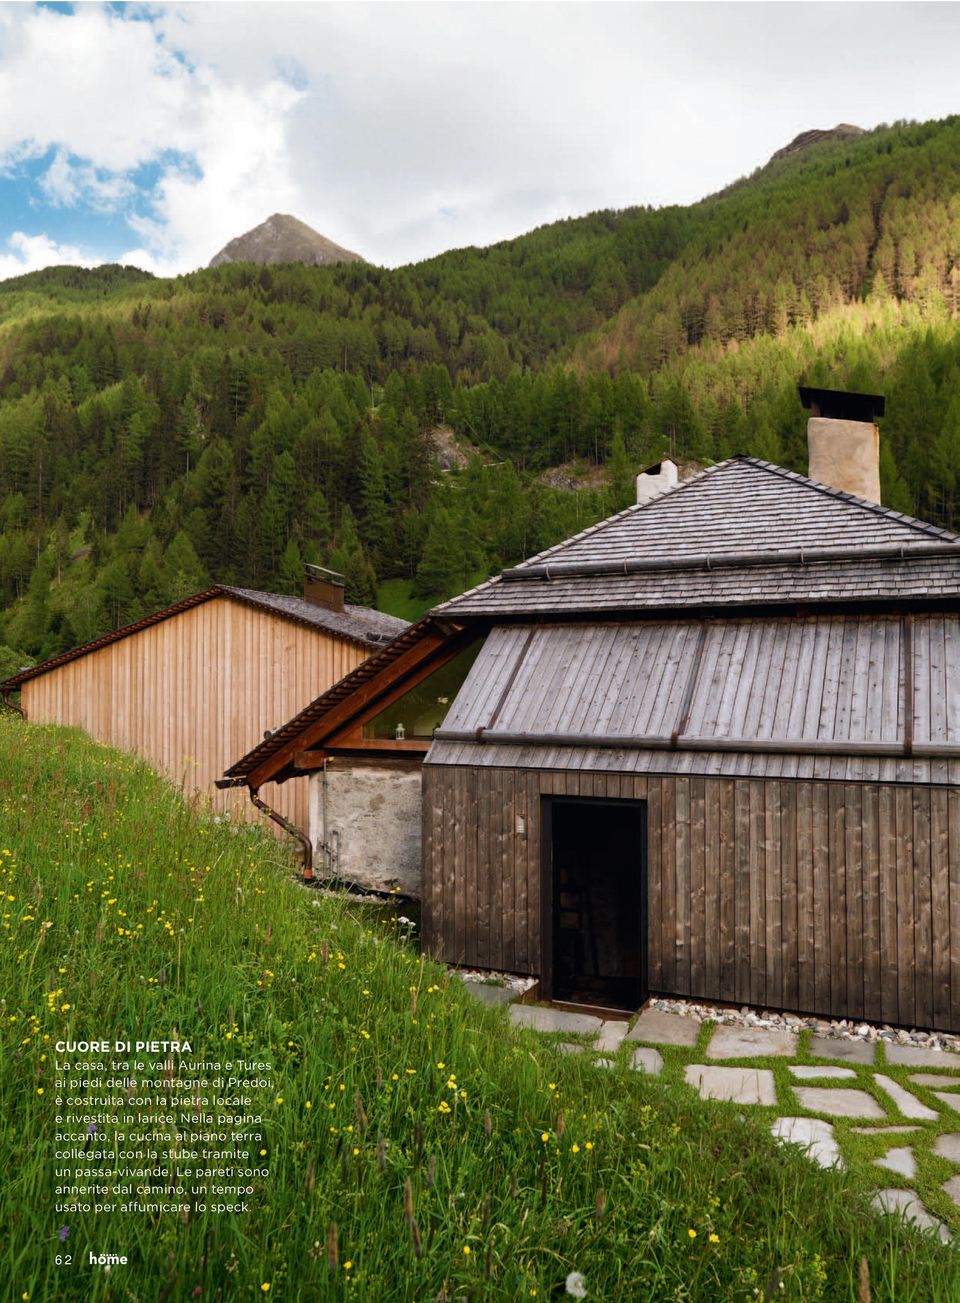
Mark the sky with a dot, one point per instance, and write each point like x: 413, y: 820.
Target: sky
x: 152, y: 134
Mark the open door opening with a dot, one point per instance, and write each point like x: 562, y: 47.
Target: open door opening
x: 596, y: 897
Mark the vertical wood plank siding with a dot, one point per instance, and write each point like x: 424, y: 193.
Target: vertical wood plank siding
x: 839, y: 899
x: 192, y: 694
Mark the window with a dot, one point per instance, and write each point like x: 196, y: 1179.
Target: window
x: 424, y: 708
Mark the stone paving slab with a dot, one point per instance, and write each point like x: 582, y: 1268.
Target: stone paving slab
x: 570, y: 1047
x: 951, y: 1101
x: 900, y: 1161
x: 731, y: 1042
x: 647, y: 1059
x: 808, y: 1072
x: 908, y: 1104
x: 838, y: 1101
x: 883, y: 1131
x: 660, y: 1028
x: 553, y: 1020
x: 611, y: 1034
x: 832, y: 1047
x: 948, y: 1146
x: 488, y: 993
x: 952, y: 1187
x: 739, y: 1085
x: 916, y: 1056
x: 932, y: 1079
x: 907, y: 1205
x: 814, y: 1135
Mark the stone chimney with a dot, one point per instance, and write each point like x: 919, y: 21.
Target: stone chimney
x: 323, y: 588
x: 656, y: 480
x: 843, y: 442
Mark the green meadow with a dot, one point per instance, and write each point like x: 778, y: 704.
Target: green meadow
x: 411, y: 1145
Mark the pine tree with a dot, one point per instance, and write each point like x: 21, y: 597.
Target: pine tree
x: 619, y: 475
x: 184, y: 574
x: 290, y: 571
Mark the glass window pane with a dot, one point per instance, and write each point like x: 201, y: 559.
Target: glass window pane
x: 425, y: 706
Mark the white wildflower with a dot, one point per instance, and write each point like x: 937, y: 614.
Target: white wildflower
x: 577, y: 1285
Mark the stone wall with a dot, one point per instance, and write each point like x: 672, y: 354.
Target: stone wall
x: 374, y: 817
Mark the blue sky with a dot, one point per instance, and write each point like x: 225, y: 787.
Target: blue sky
x: 154, y: 134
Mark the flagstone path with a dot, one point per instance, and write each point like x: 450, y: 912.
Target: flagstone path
x: 851, y: 1087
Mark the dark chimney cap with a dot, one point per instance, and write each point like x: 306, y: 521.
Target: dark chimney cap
x: 322, y: 587
x: 837, y: 405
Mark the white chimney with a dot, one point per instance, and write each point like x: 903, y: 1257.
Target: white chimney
x: 843, y: 442
x: 656, y: 480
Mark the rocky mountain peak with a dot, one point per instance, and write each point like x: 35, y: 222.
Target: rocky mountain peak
x: 842, y: 131
x: 282, y: 238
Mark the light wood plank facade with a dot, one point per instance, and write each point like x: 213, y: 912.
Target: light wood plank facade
x: 830, y: 898
x: 192, y: 692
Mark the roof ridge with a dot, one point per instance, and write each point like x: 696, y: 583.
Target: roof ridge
x: 247, y: 596
x: 350, y: 609
x: 922, y: 526
x: 590, y: 529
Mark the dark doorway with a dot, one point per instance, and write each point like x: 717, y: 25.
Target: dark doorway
x: 595, y: 901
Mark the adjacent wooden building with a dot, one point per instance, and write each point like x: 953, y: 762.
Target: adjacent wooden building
x: 196, y: 683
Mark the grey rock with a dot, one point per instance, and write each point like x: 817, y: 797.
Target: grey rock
x: 900, y: 1161
x: 740, y: 1085
x: 948, y: 1146
x: 814, y: 1135
x: 552, y: 1020
x: 833, y: 1047
x: 952, y: 1188
x: 904, y: 1203
x: 933, y: 1079
x: 660, y: 1028
x: 883, y: 1131
x: 487, y: 993
x: 838, y: 1101
x: 808, y: 1072
x: 750, y: 1043
x: 611, y: 1034
x: 908, y: 1104
x: 916, y: 1056
x: 646, y: 1059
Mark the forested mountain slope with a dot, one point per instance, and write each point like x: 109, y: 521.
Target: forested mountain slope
x: 233, y: 423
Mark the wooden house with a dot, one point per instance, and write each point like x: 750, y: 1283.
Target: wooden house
x: 196, y: 683
x: 708, y: 748
x: 359, y: 749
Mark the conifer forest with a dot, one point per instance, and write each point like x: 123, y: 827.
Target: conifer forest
x: 418, y: 429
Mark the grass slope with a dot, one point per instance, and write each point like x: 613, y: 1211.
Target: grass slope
x: 396, y: 1102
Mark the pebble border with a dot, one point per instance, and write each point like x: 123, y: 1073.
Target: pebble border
x: 841, y: 1029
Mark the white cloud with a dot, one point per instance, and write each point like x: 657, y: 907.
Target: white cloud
x: 34, y: 252
x: 402, y: 129
x: 66, y: 184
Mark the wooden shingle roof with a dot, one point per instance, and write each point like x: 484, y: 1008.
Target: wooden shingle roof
x: 357, y: 624
x: 744, y: 532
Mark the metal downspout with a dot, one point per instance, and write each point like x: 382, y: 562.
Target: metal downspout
x: 290, y: 828
x: 12, y: 705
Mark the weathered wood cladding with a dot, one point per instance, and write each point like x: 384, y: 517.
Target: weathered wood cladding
x: 192, y: 693
x: 841, y: 899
